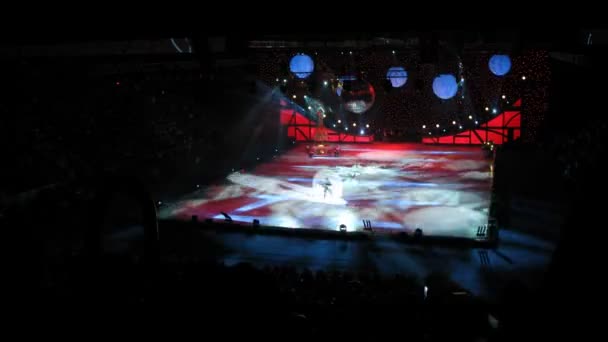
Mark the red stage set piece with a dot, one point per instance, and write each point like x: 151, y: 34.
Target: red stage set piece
x: 503, y: 128
x: 301, y: 128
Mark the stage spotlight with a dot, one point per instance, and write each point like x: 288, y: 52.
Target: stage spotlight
x: 523, y: 78
x: 504, y: 97
x: 159, y: 202
x: 460, y: 126
x: 324, y: 83
x: 350, y: 52
x: 476, y: 122
x: 354, y: 124
x: 494, y: 111
x: 339, y: 121
x: 346, y: 128
x: 423, y: 126
x: 429, y: 133
x: 324, y: 116
x: 487, y: 109
x: 334, y: 125
x: 367, y: 126
x: 277, y: 79
x: 362, y: 132
x: 293, y: 96
x: 444, y: 130
x: 470, y: 117
x: 309, y: 107
x: 198, y: 186
x: 437, y: 125
x: 393, y: 52
x: 453, y: 122
x: 284, y: 80
x: 461, y: 80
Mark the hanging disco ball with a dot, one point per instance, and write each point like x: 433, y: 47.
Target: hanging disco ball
x: 301, y: 65
x: 397, y: 76
x: 358, y: 95
x: 445, y: 86
x: 500, y: 65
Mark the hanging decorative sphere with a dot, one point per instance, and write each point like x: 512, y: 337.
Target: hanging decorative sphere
x: 445, y: 86
x: 500, y: 65
x: 358, y: 96
x: 301, y: 65
x: 397, y: 76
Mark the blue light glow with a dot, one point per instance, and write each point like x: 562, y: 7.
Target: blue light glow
x: 500, y: 65
x: 301, y: 65
x: 445, y: 86
x: 397, y: 76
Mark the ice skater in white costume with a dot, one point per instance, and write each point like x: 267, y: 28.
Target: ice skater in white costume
x: 326, y: 187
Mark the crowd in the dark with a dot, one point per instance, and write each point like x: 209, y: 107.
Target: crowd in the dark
x: 581, y: 150
x: 330, y: 303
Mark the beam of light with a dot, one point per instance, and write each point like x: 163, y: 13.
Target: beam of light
x: 264, y: 200
x: 386, y: 225
x: 317, y: 167
x: 403, y: 203
x: 349, y: 219
x: 178, y: 49
x: 189, y: 45
x: 403, y: 184
x: 299, y: 179
x: 269, y: 185
x: 239, y: 218
x: 175, y: 46
x: 322, y: 157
